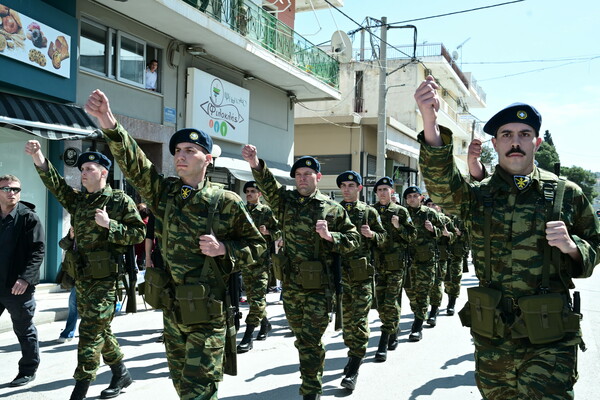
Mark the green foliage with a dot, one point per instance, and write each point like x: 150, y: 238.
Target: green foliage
x: 548, y: 138
x: 488, y: 155
x: 547, y: 156
x: 586, y: 179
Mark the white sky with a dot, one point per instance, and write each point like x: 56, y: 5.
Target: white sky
x: 567, y: 96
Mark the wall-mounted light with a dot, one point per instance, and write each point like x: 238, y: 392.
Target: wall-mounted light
x: 196, y: 50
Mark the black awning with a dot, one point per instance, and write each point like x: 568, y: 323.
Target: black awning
x: 49, y: 120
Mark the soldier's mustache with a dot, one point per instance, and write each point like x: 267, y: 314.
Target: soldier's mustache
x: 515, y: 150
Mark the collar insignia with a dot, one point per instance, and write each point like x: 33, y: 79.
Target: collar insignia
x: 349, y: 206
x: 186, y: 191
x: 301, y: 200
x: 521, y: 181
x: 382, y: 208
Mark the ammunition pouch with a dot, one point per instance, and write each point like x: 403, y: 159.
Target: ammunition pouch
x: 99, y: 265
x: 547, y: 317
x: 423, y: 254
x: 393, y: 262
x: 280, y: 263
x: 481, y: 313
x: 157, y: 289
x: 311, y: 275
x: 71, y: 262
x: 196, y: 304
x: 360, y: 270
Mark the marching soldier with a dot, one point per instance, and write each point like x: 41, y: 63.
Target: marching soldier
x: 204, y: 233
x: 256, y: 278
x: 357, y: 274
x: 105, y: 222
x: 313, y: 227
x: 459, y: 250
x: 391, y: 265
x: 429, y: 229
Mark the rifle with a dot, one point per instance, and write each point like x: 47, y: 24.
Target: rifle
x: 407, y: 281
x: 336, y: 269
x: 130, y: 283
x: 465, y: 263
x: 235, y: 291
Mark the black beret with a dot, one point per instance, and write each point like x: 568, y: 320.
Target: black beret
x: 428, y: 200
x: 189, y: 135
x: 348, y: 176
x: 306, y: 161
x: 250, y: 184
x: 94, y: 156
x: 516, y: 112
x: 386, y: 180
x: 411, y: 189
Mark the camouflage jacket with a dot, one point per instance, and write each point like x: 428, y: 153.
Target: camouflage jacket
x: 126, y: 226
x: 460, y: 247
x: 298, y: 216
x: 187, y: 219
x: 360, y: 214
x: 426, y: 241
x: 397, y: 240
x: 263, y: 215
x: 518, y: 222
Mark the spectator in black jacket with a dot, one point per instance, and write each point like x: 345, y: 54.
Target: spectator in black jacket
x: 21, y: 254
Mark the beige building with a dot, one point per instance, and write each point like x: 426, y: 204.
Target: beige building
x: 343, y: 134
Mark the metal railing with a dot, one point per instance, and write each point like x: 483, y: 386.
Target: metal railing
x: 262, y: 28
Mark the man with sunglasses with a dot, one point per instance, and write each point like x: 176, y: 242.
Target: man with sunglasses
x: 21, y: 254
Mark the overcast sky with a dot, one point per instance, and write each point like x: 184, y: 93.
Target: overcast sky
x: 558, y: 41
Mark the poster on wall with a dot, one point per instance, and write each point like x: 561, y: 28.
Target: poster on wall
x: 217, y: 107
x: 31, y: 42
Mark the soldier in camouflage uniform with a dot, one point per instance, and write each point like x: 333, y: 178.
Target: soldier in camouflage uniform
x: 444, y: 258
x: 195, y: 351
x: 458, y: 250
x: 424, y: 258
x: 391, y: 265
x: 313, y: 226
x: 105, y: 222
x: 256, y: 278
x: 357, y: 274
x: 523, y: 253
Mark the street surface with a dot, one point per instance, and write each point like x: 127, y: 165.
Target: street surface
x: 439, y: 367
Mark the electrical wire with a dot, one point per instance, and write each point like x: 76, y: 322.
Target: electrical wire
x: 537, y: 70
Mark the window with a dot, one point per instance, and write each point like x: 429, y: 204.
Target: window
x: 115, y: 54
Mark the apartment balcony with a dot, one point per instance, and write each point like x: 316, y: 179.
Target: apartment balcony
x: 243, y: 35
x: 309, y: 5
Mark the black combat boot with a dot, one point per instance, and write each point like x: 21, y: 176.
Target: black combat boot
x: 120, y: 380
x: 381, y: 353
x: 246, y: 343
x: 80, y: 390
x: 432, y: 320
x: 349, y: 381
x: 313, y: 396
x: 451, y: 304
x: 265, y: 328
x: 416, y: 333
x: 393, y: 341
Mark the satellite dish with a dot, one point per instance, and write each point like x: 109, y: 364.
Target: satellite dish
x: 455, y: 55
x: 341, y: 47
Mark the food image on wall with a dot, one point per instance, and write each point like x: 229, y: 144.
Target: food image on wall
x: 58, y: 51
x: 11, y: 29
x: 36, y: 35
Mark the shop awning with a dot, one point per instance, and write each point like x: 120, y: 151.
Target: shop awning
x: 48, y: 120
x: 241, y: 170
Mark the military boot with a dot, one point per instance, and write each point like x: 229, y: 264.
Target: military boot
x: 120, y: 380
x: 265, y: 328
x: 393, y: 341
x: 451, y: 304
x: 349, y: 381
x: 246, y: 343
x: 416, y: 333
x: 381, y: 353
x: 312, y: 396
x: 80, y: 390
x: 432, y: 320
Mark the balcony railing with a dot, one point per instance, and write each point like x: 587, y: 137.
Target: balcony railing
x: 262, y: 28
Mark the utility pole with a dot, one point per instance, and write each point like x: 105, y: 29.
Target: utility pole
x: 381, y: 113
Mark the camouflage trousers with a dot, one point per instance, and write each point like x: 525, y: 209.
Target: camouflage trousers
x: 96, y: 306
x: 388, y: 292
x: 422, y: 275
x: 256, y: 279
x: 455, y: 267
x: 436, y: 293
x: 195, y: 356
x: 516, y: 369
x: 356, y: 304
x: 307, y: 314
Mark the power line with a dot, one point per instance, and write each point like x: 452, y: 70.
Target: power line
x: 537, y: 70
x: 455, y: 12
x: 581, y: 58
